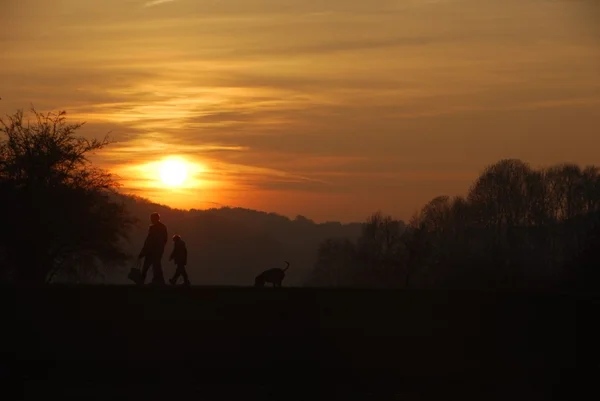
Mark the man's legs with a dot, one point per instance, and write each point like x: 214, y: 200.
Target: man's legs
x: 157, y: 272
x: 146, y: 266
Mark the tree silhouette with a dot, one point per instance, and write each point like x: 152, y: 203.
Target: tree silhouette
x: 335, y: 265
x: 60, y: 208
x: 516, y: 228
x: 377, y: 259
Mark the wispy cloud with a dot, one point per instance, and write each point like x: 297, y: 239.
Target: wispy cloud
x: 157, y: 2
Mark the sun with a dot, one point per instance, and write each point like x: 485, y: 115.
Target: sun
x: 173, y: 172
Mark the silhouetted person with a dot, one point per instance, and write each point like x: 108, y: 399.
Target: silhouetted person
x: 179, y: 256
x: 153, y: 250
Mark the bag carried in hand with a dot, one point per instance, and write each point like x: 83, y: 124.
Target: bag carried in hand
x: 135, y: 273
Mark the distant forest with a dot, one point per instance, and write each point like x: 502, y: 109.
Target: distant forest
x: 516, y: 228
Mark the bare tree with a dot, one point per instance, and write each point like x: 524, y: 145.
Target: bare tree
x: 516, y: 227
x: 60, y: 208
x: 380, y: 250
x: 335, y: 264
x: 566, y: 189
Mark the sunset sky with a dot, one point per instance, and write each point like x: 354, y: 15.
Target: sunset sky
x: 332, y: 109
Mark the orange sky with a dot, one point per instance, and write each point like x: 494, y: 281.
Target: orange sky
x: 332, y: 108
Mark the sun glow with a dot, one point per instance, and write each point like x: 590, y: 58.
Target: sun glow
x: 179, y: 181
x: 173, y: 172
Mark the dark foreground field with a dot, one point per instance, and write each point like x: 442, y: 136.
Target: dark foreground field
x: 245, y: 343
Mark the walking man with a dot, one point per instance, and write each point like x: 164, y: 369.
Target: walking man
x: 179, y: 256
x: 153, y: 250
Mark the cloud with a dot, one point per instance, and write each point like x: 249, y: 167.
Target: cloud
x: 311, y: 97
x: 157, y: 2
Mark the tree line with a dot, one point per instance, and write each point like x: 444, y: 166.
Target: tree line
x: 517, y: 228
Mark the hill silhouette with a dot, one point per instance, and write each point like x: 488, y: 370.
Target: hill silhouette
x: 230, y: 246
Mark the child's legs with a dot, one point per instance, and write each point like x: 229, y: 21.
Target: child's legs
x: 181, y: 270
x: 177, y: 274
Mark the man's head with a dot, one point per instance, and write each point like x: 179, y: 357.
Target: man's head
x: 155, y: 218
x: 176, y: 238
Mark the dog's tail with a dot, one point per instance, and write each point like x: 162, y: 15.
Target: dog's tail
x: 288, y: 265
